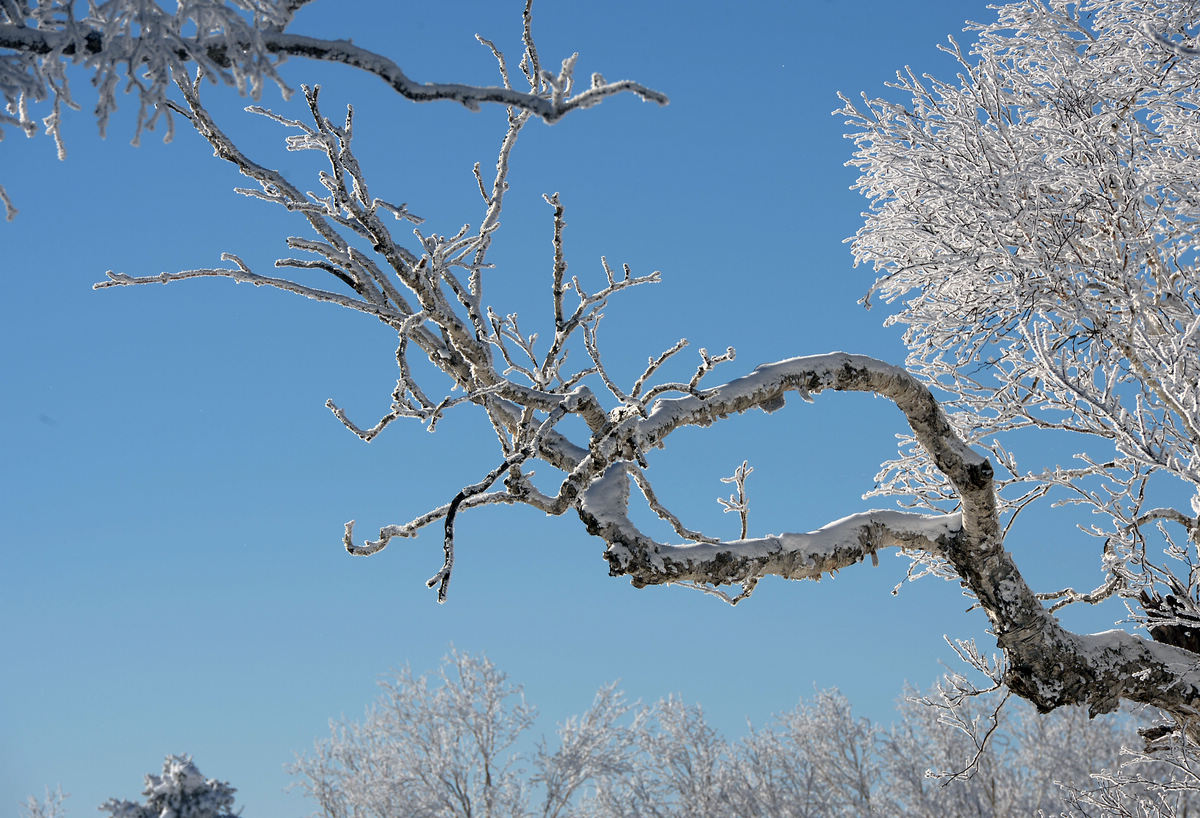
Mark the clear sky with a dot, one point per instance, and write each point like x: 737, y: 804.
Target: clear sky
x: 172, y: 489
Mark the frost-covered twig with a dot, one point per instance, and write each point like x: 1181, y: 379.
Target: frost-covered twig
x: 1068, y: 596
x: 662, y: 511
x: 953, y: 691
x: 737, y: 502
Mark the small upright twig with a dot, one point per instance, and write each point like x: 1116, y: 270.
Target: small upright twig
x: 707, y: 362
x: 737, y: 502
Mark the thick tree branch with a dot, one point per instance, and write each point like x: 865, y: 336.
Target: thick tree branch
x: 1047, y: 665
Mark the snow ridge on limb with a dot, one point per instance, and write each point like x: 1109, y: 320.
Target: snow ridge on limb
x: 797, y: 556
x: 789, y: 555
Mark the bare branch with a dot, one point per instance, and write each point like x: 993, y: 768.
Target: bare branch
x: 442, y: 577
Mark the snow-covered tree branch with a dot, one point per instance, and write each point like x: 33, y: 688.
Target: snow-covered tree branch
x: 1035, y: 218
x: 142, y: 47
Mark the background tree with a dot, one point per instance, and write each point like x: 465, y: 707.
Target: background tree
x: 451, y: 747
x: 180, y: 792
x: 1036, y: 218
x: 458, y: 745
x: 50, y: 806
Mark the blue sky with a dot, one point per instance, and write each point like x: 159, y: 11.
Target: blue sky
x: 174, y: 489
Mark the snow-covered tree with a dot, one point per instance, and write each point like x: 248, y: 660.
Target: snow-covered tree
x: 1034, y: 218
x: 50, y: 806
x: 458, y: 744
x: 439, y: 748
x: 449, y: 748
x: 180, y: 792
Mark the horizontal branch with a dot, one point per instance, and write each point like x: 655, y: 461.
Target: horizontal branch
x: 37, y: 41
x: 242, y: 275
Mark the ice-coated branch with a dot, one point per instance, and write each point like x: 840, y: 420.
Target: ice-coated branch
x: 10, y: 212
x: 242, y: 274
x: 643, y: 483
x: 473, y: 495
x: 242, y: 53
x: 136, y: 45
x: 470, y: 96
x: 1069, y: 596
x: 654, y: 363
x: 442, y: 578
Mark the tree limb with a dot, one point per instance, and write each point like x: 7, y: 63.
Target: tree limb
x: 1047, y: 665
x: 38, y: 41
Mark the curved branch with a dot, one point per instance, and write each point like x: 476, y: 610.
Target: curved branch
x: 767, y: 386
x: 1047, y: 665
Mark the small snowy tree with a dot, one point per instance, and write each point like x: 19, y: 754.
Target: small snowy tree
x: 448, y: 748
x: 50, y: 806
x: 180, y: 792
x: 1037, y: 217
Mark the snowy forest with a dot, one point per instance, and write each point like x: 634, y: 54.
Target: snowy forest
x: 1029, y: 230
x: 448, y: 744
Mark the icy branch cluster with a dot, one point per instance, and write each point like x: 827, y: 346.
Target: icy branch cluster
x: 1036, y: 220
x: 129, y: 46
x: 429, y: 288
